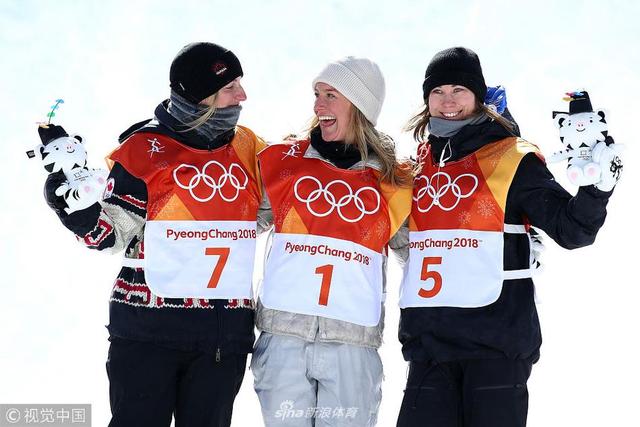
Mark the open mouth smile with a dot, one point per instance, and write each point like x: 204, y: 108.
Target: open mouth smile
x: 326, y: 120
x: 451, y: 115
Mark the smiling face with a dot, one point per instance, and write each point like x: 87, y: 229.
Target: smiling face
x: 231, y: 94
x: 581, y: 129
x: 333, y: 111
x: 452, y: 102
x: 63, y: 154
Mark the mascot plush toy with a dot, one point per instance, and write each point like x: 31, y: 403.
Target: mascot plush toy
x: 593, y: 157
x: 80, y: 187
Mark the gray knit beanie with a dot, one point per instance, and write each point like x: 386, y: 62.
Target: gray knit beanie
x: 359, y: 80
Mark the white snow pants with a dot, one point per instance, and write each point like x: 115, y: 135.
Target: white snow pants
x: 305, y: 384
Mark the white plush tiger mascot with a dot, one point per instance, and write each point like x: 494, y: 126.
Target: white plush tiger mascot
x: 593, y: 156
x: 580, y: 130
x: 63, y: 153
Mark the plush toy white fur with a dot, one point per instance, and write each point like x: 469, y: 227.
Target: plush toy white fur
x: 84, y: 186
x: 580, y: 132
x: 593, y: 156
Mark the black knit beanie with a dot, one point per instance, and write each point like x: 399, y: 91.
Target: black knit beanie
x: 201, y: 69
x: 455, y: 66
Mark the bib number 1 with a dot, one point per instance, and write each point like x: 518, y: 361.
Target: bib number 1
x: 327, y: 272
x: 426, y: 274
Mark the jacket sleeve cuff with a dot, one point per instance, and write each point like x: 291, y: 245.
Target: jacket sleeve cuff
x: 83, y: 221
x: 592, y: 191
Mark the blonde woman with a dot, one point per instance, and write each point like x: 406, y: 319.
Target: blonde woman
x: 182, y: 200
x: 338, y: 197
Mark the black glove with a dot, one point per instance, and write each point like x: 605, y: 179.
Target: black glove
x: 55, y: 202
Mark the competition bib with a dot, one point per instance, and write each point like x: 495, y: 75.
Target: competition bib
x: 453, y: 268
x: 199, y: 238
x: 323, y: 276
x: 457, y: 228
x: 200, y: 259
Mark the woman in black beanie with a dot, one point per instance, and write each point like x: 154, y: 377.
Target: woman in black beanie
x: 469, y: 326
x: 182, y: 200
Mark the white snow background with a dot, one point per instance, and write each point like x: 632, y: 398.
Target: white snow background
x: 109, y: 61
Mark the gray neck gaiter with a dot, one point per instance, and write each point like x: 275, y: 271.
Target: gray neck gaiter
x: 447, y: 128
x: 222, y: 120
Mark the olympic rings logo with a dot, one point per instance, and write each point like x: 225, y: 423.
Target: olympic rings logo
x: 435, y: 193
x: 339, y: 204
x: 237, y: 180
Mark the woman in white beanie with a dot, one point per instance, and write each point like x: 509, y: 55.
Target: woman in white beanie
x: 338, y: 198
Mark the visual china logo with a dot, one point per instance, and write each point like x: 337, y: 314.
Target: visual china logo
x: 438, y: 186
x: 343, y: 203
x: 227, y: 184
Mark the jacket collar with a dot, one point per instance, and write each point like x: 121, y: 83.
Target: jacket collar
x: 372, y: 160
x: 312, y: 152
x: 468, y: 140
x: 166, y: 124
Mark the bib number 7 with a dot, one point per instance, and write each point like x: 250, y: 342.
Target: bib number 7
x: 426, y: 274
x: 223, y: 253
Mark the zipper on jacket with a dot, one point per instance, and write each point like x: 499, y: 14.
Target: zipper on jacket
x: 219, y: 338
x: 499, y: 387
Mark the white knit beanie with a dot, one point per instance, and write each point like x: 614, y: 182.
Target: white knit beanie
x: 359, y: 80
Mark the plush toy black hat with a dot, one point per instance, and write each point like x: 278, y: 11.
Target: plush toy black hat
x: 47, y: 134
x: 201, y: 69
x: 579, y: 103
x: 455, y: 66
x: 51, y: 132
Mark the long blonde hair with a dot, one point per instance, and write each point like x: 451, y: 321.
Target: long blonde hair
x: 418, y: 123
x: 362, y: 133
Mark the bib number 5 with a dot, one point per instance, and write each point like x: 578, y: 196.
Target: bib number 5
x: 427, y: 274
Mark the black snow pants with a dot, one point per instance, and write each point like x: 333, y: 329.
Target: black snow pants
x: 150, y: 384
x: 466, y: 393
